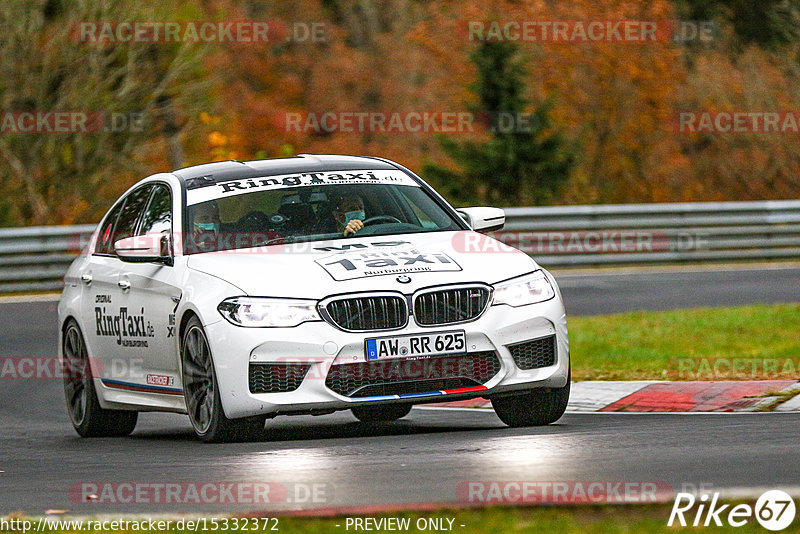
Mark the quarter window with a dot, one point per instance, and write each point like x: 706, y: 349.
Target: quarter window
x: 131, y: 212
x: 105, y: 239
x: 121, y: 222
x: 158, y: 216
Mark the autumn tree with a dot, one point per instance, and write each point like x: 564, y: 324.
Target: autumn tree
x: 615, y: 102
x: 154, y: 88
x: 766, y: 23
x: 525, y: 160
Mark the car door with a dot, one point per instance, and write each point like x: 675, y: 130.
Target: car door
x: 102, y: 305
x: 150, y: 295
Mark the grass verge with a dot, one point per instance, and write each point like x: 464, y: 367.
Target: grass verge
x: 740, y: 343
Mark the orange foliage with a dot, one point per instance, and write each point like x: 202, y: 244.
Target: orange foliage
x: 616, y: 101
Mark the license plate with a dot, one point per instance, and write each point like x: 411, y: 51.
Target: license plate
x: 415, y: 346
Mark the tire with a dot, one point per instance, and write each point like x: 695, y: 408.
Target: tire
x: 201, y: 392
x: 381, y: 414
x: 537, y: 407
x: 88, y: 418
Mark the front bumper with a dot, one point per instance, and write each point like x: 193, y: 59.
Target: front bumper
x: 321, y: 345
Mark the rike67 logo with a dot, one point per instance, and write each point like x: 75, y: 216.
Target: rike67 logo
x: 774, y: 510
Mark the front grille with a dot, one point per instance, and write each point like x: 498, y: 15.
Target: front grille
x: 276, y: 377
x: 368, y: 313
x: 534, y: 354
x: 448, y: 306
x: 401, y: 376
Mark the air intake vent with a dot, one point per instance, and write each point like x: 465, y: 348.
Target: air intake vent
x: 449, y: 306
x: 359, y: 314
x: 534, y: 354
x: 276, y: 377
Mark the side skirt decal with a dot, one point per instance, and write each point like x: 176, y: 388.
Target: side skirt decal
x: 128, y: 386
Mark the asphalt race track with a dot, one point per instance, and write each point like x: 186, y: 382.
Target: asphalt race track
x: 422, y: 458
x: 592, y: 294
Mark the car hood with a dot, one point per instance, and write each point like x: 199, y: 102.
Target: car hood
x: 402, y: 263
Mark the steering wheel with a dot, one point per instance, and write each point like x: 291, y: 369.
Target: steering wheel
x: 378, y: 218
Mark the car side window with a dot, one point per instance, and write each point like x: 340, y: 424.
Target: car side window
x: 130, y: 215
x: 105, y: 239
x: 158, y: 215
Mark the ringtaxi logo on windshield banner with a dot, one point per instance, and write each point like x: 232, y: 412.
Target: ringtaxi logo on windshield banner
x: 774, y: 510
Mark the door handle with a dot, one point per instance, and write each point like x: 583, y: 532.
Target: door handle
x: 86, y: 278
x: 124, y: 285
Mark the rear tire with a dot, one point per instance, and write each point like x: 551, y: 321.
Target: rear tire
x: 201, y: 391
x: 381, y: 414
x: 537, y: 407
x: 88, y: 418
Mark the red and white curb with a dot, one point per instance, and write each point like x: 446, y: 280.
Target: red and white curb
x: 664, y: 396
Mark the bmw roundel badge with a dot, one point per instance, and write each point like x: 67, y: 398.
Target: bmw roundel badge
x: 403, y: 279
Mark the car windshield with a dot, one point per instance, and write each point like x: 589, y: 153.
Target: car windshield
x: 264, y: 215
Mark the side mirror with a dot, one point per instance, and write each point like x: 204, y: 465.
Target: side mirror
x: 145, y: 249
x: 483, y: 219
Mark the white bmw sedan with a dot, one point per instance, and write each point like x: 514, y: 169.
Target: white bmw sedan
x: 236, y: 292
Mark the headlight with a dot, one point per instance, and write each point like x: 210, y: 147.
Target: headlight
x: 268, y: 312
x: 528, y: 289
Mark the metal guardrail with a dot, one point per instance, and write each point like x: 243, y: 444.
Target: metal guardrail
x: 35, y: 258
x: 661, y: 233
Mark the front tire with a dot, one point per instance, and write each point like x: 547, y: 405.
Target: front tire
x: 537, y: 407
x: 201, y: 391
x: 381, y: 414
x: 88, y: 418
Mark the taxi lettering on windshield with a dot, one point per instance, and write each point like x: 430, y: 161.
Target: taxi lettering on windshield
x: 308, y: 178
x: 304, y: 179
x: 362, y: 265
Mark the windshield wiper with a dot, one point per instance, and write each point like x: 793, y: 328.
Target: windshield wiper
x: 274, y: 241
